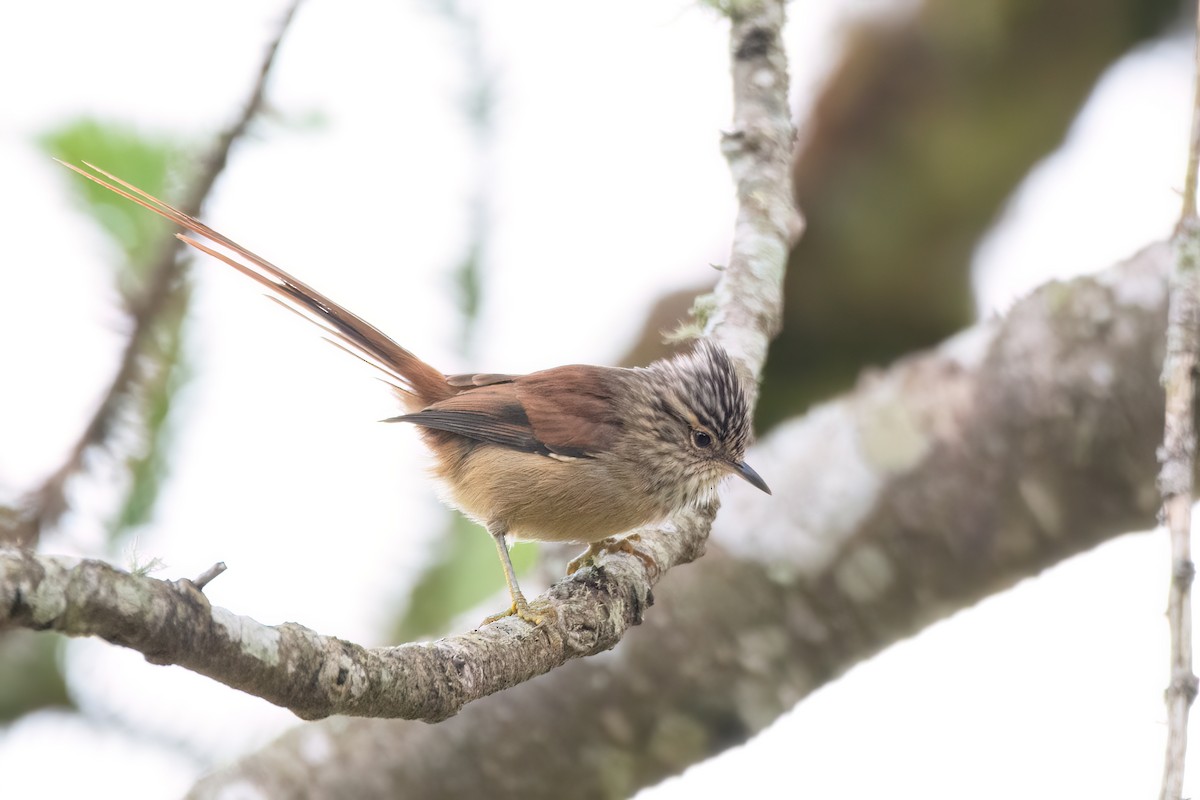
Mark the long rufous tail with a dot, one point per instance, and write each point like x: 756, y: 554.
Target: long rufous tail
x: 417, y: 383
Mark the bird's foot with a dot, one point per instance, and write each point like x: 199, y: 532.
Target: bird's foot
x: 525, y: 610
x: 613, y: 544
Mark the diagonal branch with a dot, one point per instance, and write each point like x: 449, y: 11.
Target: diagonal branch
x: 940, y: 480
x: 45, y: 504
x: 943, y: 472
x: 173, y: 623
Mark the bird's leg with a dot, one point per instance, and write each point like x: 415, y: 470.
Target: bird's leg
x: 520, y: 606
x: 613, y: 544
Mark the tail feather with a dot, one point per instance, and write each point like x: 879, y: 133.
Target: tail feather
x: 417, y: 383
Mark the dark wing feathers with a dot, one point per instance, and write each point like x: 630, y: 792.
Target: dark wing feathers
x: 565, y: 411
x: 474, y: 379
x: 488, y: 414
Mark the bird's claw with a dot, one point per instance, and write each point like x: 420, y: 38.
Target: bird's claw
x: 613, y: 544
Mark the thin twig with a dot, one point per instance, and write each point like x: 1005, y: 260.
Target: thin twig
x: 1193, y: 165
x: 206, y: 577
x: 1178, y: 456
x: 44, y: 505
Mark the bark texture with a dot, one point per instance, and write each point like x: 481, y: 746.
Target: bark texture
x: 313, y: 675
x: 935, y: 483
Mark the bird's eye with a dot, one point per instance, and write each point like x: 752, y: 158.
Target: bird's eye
x: 702, y: 439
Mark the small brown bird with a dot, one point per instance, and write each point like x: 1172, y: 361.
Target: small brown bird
x: 569, y: 454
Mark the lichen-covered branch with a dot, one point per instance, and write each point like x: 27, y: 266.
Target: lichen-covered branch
x: 749, y: 295
x: 938, y: 481
x: 1178, y: 491
x: 944, y: 472
x: 171, y: 622
x: 1178, y: 455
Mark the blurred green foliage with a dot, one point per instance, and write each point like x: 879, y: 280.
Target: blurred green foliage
x: 465, y: 572
x: 146, y: 161
x: 132, y: 424
x: 30, y: 673
x: 148, y: 464
x: 149, y: 282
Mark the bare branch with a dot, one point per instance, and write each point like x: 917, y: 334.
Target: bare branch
x: 1177, y: 484
x: 937, y: 482
x: 946, y: 457
x: 749, y: 294
x: 172, y: 623
x: 162, y: 291
x: 1193, y: 164
x: 207, y: 577
x: 1178, y: 457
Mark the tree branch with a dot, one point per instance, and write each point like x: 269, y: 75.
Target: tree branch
x: 943, y: 479
x: 749, y: 295
x: 45, y: 504
x: 172, y: 623
x: 945, y: 472
x: 595, y: 607
x: 1178, y: 456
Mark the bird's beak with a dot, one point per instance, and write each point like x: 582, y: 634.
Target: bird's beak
x: 744, y: 470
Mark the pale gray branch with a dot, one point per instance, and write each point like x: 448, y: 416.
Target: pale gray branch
x: 1178, y: 456
x: 944, y: 473
x: 173, y: 623
x: 749, y: 295
x: 937, y: 482
x: 1177, y: 483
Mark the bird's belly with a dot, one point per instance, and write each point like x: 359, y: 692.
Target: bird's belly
x: 546, y: 499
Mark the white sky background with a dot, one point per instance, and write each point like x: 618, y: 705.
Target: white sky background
x: 609, y: 189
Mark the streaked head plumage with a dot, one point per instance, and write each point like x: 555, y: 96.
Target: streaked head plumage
x: 705, y: 415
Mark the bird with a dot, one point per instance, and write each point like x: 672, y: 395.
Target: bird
x: 574, y: 453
